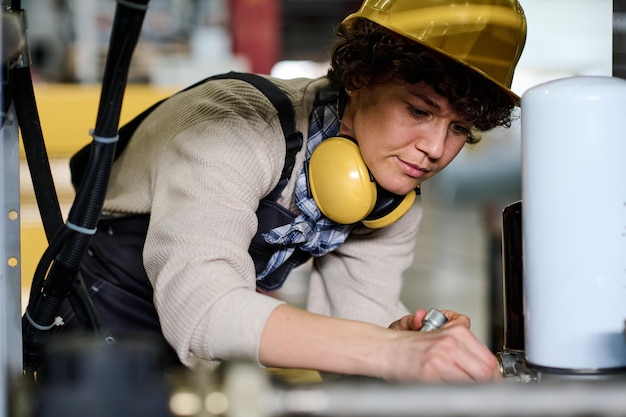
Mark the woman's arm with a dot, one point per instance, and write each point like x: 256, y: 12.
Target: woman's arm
x: 299, y: 339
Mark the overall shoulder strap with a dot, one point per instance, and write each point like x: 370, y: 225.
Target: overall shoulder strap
x: 286, y: 115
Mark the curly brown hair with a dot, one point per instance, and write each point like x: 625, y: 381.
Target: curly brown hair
x: 366, y: 52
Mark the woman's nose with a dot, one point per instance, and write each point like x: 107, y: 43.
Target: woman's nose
x: 431, y: 140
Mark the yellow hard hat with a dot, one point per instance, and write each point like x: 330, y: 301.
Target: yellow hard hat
x: 488, y: 36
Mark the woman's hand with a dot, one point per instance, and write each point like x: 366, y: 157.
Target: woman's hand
x: 450, y: 354
x: 414, y: 321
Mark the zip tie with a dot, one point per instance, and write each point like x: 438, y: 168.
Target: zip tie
x: 133, y: 5
x: 58, y: 321
x: 80, y: 229
x: 7, y: 116
x: 102, y: 139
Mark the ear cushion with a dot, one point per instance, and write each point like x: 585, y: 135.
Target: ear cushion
x: 389, y: 208
x: 340, y: 181
x: 345, y: 191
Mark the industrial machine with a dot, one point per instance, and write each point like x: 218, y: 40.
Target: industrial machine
x: 564, y: 257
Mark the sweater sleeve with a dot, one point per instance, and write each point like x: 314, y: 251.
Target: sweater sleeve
x: 363, y: 278
x: 206, y: 185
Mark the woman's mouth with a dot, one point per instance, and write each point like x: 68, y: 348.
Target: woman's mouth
x: 412, y: 170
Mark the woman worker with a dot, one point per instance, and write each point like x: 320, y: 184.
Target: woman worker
x: 410, y: 83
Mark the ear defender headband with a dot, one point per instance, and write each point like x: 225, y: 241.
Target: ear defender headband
x: 346, y: 192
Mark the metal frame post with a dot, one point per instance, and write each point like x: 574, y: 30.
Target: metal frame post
x: 10, y: 262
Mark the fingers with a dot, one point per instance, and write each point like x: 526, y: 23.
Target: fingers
x: 444, y: 365
x: 418, y: 319
x: 415, y: 321
x: 402, y: 324
x: 448, y: 355
x: 409, y: 322
x: 468, y: 359
x: 456, y: 319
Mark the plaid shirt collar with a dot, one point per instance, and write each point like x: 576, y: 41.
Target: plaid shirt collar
x: 311, y: 231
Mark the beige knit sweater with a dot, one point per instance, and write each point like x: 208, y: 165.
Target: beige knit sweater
x: 200, y: 164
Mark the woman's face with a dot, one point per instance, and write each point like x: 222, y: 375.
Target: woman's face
x: 406, y: 132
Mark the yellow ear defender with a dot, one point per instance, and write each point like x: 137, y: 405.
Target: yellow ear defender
x: 345, y: 191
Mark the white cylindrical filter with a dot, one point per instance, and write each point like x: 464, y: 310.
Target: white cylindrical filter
x: 574, y: 224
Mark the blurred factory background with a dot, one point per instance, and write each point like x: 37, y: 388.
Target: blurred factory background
x: 457, y: 264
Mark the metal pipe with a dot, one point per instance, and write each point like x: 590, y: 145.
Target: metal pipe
x: 250, y: 393
x: 370, y: 400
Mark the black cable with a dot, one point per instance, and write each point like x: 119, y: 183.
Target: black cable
x: 23, y: 97
x: 15, y: 5
x: 85, y: 212
x: 44, y: 264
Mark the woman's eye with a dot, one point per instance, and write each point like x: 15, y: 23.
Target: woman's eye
x: 460, y: 130
x: 417, y: 112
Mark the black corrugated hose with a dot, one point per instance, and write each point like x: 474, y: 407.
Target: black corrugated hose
x: 68, y: 247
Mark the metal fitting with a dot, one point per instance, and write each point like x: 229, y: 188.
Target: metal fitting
x: 433, y: 320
